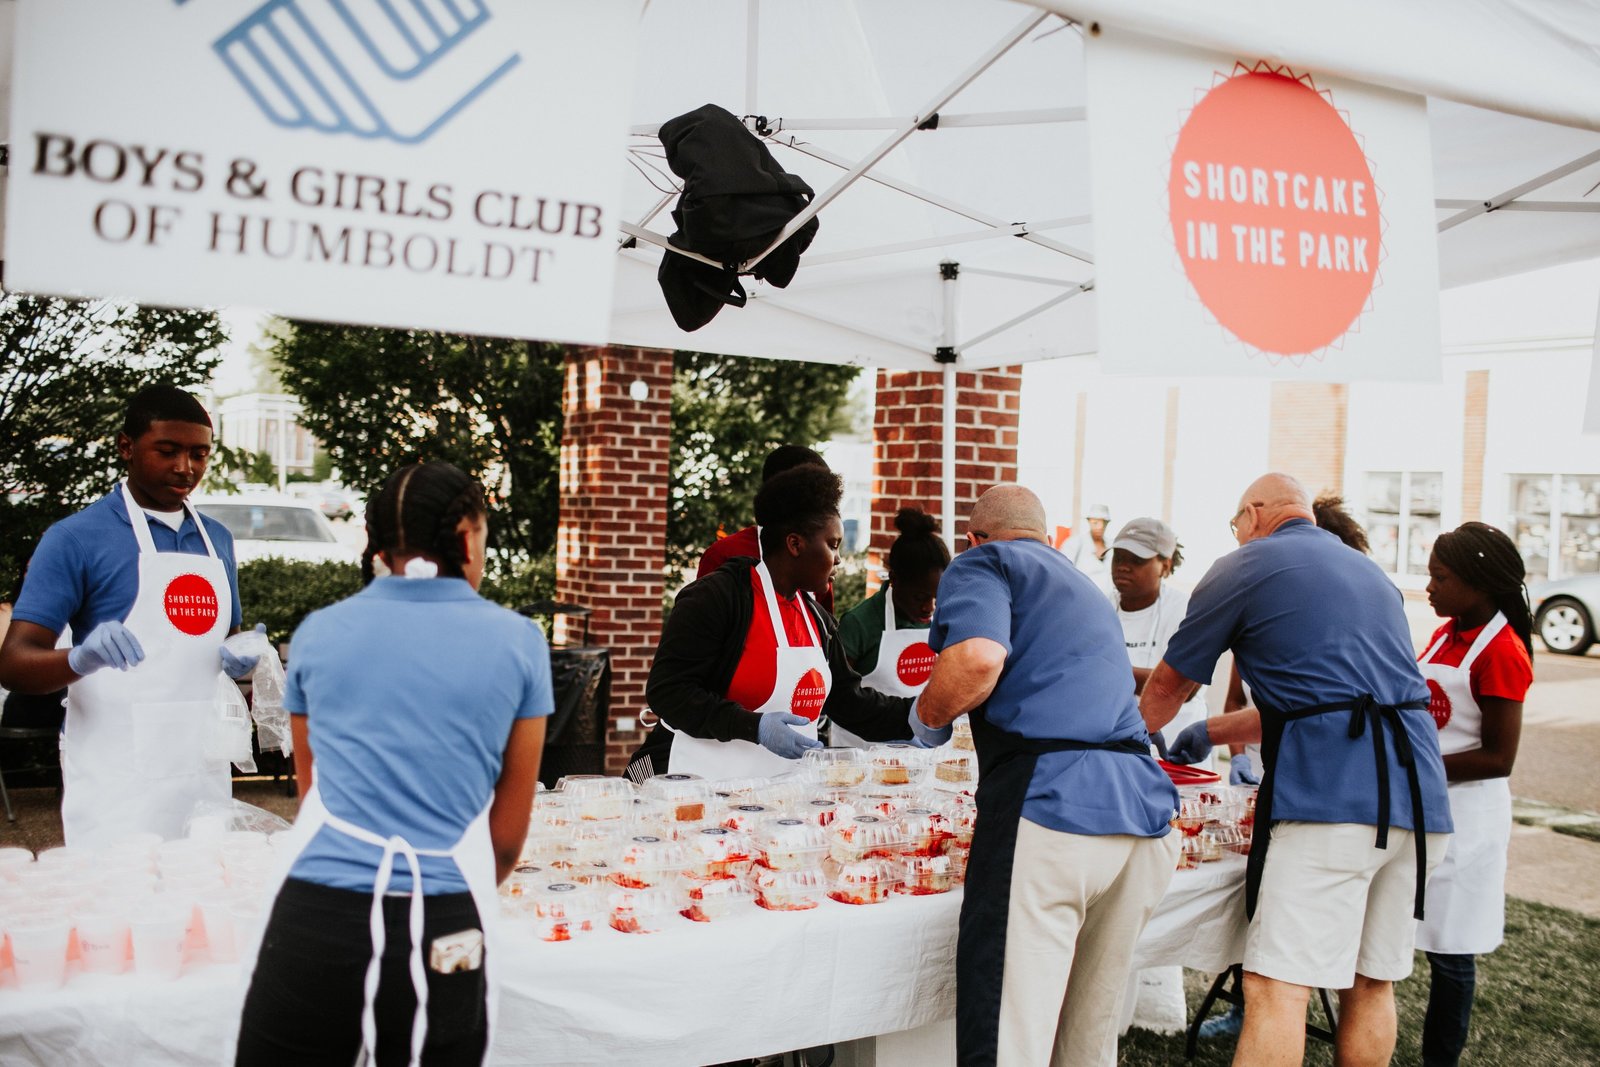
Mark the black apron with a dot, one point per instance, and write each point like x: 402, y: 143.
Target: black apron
x: 1006, y: 762
x: 1365, y: 713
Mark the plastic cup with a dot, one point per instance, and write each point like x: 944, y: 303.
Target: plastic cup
x: 158, y: 931
x: 216, y: 915
x: 208, y: 827
x: 103, y: 942
x: 39, y: 951
x: 13, y: 861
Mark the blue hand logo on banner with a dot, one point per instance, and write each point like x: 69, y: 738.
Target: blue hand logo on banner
x: 392, y: 69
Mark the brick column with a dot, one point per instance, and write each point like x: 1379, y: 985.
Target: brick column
x: 1474, y: 433
x: 612, y: 537
x: 908, y: 446
x: 1308, y: 427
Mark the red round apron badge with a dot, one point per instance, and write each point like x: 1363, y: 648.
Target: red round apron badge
x: 915, y: 664
x: 810, y: 693
x: 1274, y: 212
x: 191, y: 604
x: 1438, y: 704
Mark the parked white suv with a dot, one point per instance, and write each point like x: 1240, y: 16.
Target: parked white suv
x: 269, y: 526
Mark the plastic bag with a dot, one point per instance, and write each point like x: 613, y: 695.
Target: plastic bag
x: 267, y: 686
x: 228, y: 736
x: 212, y: 818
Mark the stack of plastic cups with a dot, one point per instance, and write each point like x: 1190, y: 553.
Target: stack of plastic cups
x: 159, y: 928
x: 38, y: 934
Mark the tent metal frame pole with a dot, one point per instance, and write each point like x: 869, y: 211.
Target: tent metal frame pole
x: 752, y: 53
x: 1563, y: 206
x: 883, y: 338
x: 1016, y: 229
x: 929, y: 197
x: 1013, y: 276
x: 893, y: 141
x: 1076, y: 290
x: 651, y: 237
x: 950, y: 280
x: 1034, y: 117
x: 1498, y: 203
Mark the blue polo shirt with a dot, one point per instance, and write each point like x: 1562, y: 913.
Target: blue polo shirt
x: 1311, y: 621
x: 1066, y: 677
x: 409, y: 689
x: 86, y: 568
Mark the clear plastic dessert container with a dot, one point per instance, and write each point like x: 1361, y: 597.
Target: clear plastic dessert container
x: 642, y: 911
x: 798, y: 890
x: 783, y: 793
x: 597, y: 799
x: 835, y: 768
x: 790, y: 844
x: 560, y: 911
x: 961, y: 734
x: 818, y: 810
x: 715, y: 852
x: 645, y: 861
x: 953, y: 769
x: 686, y: 795
x: 927, y: 831
x: 883, y: 805
x: 897, y: 766
x: 716, y: 900
x: 929, y: 875
x: 746, y: 817
x: 862, y: 837
x: 865, y: 881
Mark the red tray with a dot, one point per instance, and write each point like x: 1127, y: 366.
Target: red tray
x: 1184, y: 775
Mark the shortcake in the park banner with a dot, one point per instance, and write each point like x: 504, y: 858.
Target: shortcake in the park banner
x: 1254, y: 219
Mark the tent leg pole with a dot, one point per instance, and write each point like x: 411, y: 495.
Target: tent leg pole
x: 947, y: 468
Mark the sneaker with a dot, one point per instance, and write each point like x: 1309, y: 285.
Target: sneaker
x: 1227, y: 1024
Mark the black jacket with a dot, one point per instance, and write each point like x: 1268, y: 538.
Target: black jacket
x: 699, y: 652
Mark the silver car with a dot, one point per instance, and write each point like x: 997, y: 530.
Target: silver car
x: 1564, y: 612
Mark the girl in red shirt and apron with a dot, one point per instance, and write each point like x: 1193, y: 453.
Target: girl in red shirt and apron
x: 1478, y: 668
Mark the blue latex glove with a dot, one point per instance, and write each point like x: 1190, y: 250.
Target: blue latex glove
x: 1159, y: 740
x: 1239, y: 772
x: 775, y: 736
x: 110, y: 644
x: 925, y: 735
x: 237, y: 667
x: 1192, y: 745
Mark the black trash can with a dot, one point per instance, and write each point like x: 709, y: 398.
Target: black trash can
x: 575, y: 735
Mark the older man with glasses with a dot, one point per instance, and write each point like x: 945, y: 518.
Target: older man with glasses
x: 1072, y: 850
x: 1353, y: 799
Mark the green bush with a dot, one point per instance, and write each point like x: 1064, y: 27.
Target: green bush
x: 515, y: 581
x: 849, y: 585
x: 282, y: 592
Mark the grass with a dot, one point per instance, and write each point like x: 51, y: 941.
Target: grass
x: 1587, y: 830
x: 1538, y: 1002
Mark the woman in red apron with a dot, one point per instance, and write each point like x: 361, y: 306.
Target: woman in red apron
x: 424, y: 707
x: 886, y: 635
x: 1478, y: 668
x: 748, y: 661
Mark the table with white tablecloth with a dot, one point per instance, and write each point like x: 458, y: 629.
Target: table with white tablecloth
x: 695, y: 993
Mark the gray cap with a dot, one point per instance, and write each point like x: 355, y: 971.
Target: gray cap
x: 1146, y: 538
x: 1099, y: 511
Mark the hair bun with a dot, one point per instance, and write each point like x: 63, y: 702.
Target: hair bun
x: 915, y: 522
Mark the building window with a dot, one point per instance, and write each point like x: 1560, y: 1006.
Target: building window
x: 1402, y: 518
x: 1555, y: 521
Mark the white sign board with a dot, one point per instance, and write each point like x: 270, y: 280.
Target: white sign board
x: 1253, y: 220
x: 436, y: 164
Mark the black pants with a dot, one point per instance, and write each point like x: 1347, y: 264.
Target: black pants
x: 304, y: 1003
x: 1444, y: 1028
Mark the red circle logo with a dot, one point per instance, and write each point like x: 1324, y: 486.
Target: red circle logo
x: 1438, y: 704
x: 915, y: 664
x: 1274, y: 213
x: 810, y: 693
x: 191, y: 604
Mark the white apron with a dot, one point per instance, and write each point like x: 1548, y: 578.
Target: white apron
x: 473, y: 856
x: 1466, y: 901
x: 904, y: 664
x: 133, y: 750
x: 801, y: 687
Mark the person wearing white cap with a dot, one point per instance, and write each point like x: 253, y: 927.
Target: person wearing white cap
x: 1143, y: 555
x: 1087, y: 549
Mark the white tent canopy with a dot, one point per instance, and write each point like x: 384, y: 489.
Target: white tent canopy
x: 846, y: 94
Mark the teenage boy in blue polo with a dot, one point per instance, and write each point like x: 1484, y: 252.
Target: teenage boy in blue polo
x: 1073, y: 848
x: 149, y: 600
x: 1352, y: 770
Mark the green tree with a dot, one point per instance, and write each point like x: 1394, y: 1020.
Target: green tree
x: 67, y: 370
x: 260, y: 469
x: 728, y: 412
x: 377, y: 399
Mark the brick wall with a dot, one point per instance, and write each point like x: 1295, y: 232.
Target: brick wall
x: 1308, y: 428
x: 908, y: 448
x: 1474, y: 431
x: 611, y: 541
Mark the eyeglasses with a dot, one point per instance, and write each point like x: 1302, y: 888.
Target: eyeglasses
x: 976, y: 537
x: 1233, y: 523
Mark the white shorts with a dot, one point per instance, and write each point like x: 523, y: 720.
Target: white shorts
x: 1332, y: 905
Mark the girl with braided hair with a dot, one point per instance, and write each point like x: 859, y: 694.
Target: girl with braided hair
x: 1478, y: 666
x: 423, y: 706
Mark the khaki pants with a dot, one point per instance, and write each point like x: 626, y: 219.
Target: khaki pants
x: 1078, y: 905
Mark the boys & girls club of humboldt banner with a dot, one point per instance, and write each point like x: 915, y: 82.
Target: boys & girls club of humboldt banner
x: 1252, y: 219
x: 437, y: 164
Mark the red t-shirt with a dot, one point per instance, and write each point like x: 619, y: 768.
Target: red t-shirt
x: 1502, y: 670
x: 758, y: 665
